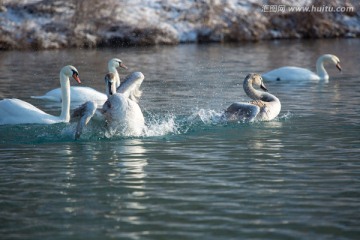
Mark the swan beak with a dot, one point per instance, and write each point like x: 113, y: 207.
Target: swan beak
x: 262, y: 86
x: 338, y: 66
x: 76, y: 77
x: 123, y: 66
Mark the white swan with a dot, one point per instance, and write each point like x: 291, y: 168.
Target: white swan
x: 84, y: 94
x: 302, y: 74
x: 121, y: 114
x: 265, y: 106
x: 15, y: 111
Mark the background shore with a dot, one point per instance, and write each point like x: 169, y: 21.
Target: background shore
x: 56, y: 24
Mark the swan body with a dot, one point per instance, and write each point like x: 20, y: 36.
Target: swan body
x: 121, y: 111
x: 78, y: 94
x: 303, y: 74
x: 123, y: 115
x: 264, y: 106
x: 15, y: 111
x: 84, y: 94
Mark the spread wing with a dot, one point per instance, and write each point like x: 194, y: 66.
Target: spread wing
x: 242, y: 111
x: 130, y: 86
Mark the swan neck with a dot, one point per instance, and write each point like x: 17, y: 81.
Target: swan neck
x: 113, y: 70
x: 320, y: 69
x: 257, y: 94
x: 110, y: 88
x: 251, y: 91
x: 65, y: 96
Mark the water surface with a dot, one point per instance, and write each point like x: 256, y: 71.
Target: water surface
x: 191, y: 176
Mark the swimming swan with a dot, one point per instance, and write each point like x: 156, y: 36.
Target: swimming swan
x: 265, y: 106
x: 121, y: 113
x: 15, y: 111
x: 83, y: 94
x: 302, y: 74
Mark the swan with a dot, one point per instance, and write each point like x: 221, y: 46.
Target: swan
x: 15, y: 111
x: 84, y: 94
x: 302, y: 74
x: 265, y: 106
x: 120, y: 112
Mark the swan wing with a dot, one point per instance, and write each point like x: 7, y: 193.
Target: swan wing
x: 290, y: 73
x: 242, y: 111
x: 85, y: 112
x: 130, y: 87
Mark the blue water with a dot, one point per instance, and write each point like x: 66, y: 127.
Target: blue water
x: 191, y: 176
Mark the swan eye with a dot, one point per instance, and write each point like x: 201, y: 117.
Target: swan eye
x: 75, y: 73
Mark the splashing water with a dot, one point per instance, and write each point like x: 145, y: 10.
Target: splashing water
x: 208, y: 117
x: 156, y: 126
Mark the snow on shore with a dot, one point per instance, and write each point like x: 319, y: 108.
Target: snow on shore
x: 52, y: 24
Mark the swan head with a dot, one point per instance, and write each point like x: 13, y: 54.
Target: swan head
x: 332, y: 59
x: 115, y: 63
x: 71, y: 71
x: 255, y: 79
x: 110, y: 84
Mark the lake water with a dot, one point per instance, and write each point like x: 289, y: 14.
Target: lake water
x: 191, y: 176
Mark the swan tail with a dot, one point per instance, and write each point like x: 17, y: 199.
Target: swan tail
x: 47, y: 98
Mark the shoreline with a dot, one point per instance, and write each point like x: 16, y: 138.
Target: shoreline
x: 59, y: 24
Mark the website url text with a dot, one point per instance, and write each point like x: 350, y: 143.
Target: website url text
x: 312, y: 8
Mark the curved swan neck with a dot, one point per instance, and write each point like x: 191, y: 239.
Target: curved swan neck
x: 320, y: 69
x: 113, y: 70
x: 65, y: 96
x: 251, y: 91
x: 256, y: 94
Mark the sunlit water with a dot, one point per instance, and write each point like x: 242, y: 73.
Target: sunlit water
x: 192, y: 175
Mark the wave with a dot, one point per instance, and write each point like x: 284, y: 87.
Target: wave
x: 156, y: 126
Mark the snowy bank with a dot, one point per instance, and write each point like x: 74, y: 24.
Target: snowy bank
x: 52, y: 24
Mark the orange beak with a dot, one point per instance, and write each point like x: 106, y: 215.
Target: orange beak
x: 123, y: 66
x: 76, y: 77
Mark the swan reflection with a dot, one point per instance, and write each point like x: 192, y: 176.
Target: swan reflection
x: 129, y: 159
x: 269, y: 146
x: 108, y: 172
